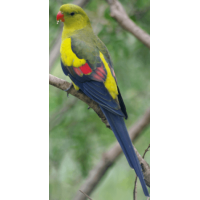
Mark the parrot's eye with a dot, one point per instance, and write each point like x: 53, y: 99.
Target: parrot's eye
x: 72, y: 13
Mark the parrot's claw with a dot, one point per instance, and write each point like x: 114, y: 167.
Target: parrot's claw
x: 67, y: 90
x: 88, y: 107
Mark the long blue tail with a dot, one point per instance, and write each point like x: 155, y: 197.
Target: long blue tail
x: 119, y: 128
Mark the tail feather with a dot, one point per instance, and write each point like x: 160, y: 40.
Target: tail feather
x: 119, y: 128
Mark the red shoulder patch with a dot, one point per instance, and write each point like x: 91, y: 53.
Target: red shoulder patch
x: 85, y: 69
x: 99, y: 74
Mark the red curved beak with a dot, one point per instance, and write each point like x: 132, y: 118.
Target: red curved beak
x: 60, y: 16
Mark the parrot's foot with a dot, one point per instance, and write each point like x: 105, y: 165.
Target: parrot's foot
x: 67, y: 90
x: 88, y: 107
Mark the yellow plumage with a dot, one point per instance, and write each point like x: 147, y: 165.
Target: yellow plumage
x: 69, y: 58
x: 75, y: 86
x: 67, y: 55
x: 110, y: 82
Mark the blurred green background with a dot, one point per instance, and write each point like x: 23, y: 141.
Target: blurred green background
x: 77, y: 137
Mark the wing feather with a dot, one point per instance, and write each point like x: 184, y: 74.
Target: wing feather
x: 94, y: 75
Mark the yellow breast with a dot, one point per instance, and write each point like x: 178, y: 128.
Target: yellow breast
x: 68, y: 57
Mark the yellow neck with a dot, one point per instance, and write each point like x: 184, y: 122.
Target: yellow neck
x: 68, y: 31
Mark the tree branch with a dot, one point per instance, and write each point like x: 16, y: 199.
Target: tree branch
x: 135, y: 189
x: 63, y: 85
x: 117, y: 11
x: 111, y: 155
x: 85, y: 195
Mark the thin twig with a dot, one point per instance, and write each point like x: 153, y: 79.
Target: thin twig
x: 85, y: 195
x: 146, y: 150
x: 135, y: 187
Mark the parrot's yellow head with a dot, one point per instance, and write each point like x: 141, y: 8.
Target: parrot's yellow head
x: 73, y: 17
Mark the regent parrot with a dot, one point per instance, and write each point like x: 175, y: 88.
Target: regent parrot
x: 85, y: 59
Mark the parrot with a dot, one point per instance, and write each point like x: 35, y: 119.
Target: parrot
x: 87, y: 62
